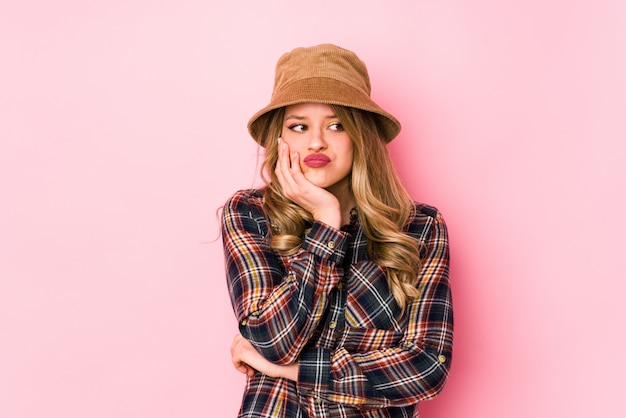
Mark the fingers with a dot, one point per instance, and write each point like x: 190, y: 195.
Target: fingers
x: 245, y: 369
x: 289, y: 172
x: 284, y: 164
x: 295, y: 164
x: 292, y: 163
x: 237, y: 350
x: 283, y: 169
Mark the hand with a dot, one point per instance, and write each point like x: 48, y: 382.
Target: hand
x: 322, y: 204
x: 248, y: 361
x: 242, y: 353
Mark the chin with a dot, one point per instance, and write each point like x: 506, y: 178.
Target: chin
x: 317, y: 182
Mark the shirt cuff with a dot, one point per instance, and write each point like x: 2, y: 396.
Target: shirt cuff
x: 326, y: 242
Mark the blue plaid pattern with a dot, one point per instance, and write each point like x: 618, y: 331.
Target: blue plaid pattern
x: 329, y: 307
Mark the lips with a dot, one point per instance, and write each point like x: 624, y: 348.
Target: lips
x: 316, y: 160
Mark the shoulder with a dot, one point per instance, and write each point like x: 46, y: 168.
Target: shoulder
x: 247, y: 199
x: 424, y: 220
x: 244, y: 211
x: 422, y: 209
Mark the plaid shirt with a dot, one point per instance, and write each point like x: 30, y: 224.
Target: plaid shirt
x: 329, y: 307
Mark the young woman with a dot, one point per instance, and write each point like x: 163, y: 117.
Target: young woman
x: 338, y: 279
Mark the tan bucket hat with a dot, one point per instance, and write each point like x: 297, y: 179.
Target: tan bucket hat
x: 323, y: 74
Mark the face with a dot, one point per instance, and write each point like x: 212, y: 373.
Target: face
x: 325, y: 150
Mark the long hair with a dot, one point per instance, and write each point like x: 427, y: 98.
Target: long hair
x: 384, y: 205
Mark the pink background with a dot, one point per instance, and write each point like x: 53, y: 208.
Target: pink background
x: 122, y: 131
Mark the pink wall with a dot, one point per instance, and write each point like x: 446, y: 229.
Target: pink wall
x: 122, y: 130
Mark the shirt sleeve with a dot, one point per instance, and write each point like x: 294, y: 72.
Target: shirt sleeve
x: 278, y: 300
x: 414, y: 370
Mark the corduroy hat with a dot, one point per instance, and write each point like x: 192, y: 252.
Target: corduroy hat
x: 323, y: 74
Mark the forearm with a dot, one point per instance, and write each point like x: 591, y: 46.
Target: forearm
x: 248, y: 360
x: 279, y: 301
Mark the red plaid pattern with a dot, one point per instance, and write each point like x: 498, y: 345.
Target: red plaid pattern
x: 329, y: 307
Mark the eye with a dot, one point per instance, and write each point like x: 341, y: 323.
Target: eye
x: 336, y: 126
x: 298, y: 127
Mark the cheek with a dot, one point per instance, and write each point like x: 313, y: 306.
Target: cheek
x: 349, y: 153
x: 290, y: 142
x: 348, y: 147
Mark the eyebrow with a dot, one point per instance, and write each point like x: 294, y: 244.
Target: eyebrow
x: 298, y: 117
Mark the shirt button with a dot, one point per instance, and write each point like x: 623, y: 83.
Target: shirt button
x: 331, y: 244
x: 243, y: 323
x: 332, y: 325
x: 441, y: 358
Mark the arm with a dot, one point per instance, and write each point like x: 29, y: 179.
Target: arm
x: 248, y: 361
x: 278, y: 300
x: 413, y: 370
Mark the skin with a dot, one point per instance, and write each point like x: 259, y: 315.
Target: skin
x: 308, y: 128
x: 311, y: 128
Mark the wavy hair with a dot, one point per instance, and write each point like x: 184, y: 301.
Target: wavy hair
x: 384, y: 205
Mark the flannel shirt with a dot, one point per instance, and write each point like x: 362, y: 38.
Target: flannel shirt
x: 329, y: 307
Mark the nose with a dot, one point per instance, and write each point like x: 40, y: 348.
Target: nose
x: 317, y: 140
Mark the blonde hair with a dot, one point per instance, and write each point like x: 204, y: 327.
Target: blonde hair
x: 384, y: 205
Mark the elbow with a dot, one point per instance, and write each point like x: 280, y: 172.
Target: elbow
x: 438, y: 385
x: 274, y: 348
x: 278, y: 355
x: 437, y: 378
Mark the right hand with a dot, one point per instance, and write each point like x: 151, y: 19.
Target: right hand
x: 322, y: 204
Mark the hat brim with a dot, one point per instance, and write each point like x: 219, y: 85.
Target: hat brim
x: 324, y: 90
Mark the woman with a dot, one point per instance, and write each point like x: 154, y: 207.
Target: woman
x: 338, y: 279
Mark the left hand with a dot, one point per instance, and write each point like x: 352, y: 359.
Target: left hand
x: 248, y: 361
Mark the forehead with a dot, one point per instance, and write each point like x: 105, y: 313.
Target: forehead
x: 309, y: 109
